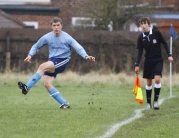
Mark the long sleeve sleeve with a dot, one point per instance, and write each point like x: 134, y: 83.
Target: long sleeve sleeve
x: 39, y: 44
x: 78, y: 48
x: 165, y: 44
x: 139, y: 55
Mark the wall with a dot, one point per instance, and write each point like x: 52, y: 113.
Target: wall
x: 43, y: 20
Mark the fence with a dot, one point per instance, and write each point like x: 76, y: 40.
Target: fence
x: 114, y: 51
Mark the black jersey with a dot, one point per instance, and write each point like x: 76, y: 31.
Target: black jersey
x: 151, y: 43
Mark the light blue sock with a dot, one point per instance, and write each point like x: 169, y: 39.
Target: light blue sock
x: 33, y: 80
x: 57, y: 96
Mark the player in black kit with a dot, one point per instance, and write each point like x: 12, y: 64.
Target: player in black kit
x: 150, y: 40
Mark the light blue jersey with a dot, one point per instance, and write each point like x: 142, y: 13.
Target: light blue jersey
x: 59, y: 46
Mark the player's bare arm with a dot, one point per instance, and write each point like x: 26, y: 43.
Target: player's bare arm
x: 28, y: 59
x: 90, y: 58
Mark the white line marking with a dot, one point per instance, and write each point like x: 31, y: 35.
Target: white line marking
x: 138, y: 114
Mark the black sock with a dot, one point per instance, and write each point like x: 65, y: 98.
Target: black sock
x: 156, y: 94
x: 148, y: 95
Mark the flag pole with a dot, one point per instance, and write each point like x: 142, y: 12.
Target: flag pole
x: 171, y: 67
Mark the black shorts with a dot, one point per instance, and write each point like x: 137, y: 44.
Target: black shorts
x: 152, y: 67
x: 60, y: 66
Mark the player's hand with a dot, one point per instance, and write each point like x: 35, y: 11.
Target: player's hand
x: 170, y: 59
x: 90, y: 58
x: 137, y: 69
x: 28, y: 59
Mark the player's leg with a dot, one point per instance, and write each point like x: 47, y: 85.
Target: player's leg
x: 60, y: 66
x: 148, y: 74
x: 157, y: 77
x: 157, y: 89
x: 54, y: 92
x: 148, y: 93
x: 47, y: 66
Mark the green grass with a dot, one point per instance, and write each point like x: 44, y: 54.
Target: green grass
x: 95, y: 107
x: 154, y: 124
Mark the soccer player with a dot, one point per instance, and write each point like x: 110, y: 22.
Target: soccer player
x: 150, y: 40
x: 59, y: 44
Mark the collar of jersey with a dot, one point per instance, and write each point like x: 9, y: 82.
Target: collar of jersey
x: 149, y: 33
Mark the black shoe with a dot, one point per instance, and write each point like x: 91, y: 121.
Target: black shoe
x: 23, y: 87
x: 64, y: 106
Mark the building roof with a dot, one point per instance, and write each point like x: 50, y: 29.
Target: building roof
x: 30, y: 9
x: 168, y: 16
x: 7, y: 21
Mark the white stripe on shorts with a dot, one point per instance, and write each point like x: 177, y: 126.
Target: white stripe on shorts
x: 61, y: 63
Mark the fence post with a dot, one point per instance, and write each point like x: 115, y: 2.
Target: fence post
x: 8, y: 54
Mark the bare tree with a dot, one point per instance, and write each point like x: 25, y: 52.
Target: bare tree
x: 117, y: 11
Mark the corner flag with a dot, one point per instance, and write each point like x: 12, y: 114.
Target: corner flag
x: 172, y: 32
x: 172, y: 35
x: 138, y: 91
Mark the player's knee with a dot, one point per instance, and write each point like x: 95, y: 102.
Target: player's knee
x: 41, y: 67
x: 149, y: 82
x: 157, y: 80
x: 47, y: 85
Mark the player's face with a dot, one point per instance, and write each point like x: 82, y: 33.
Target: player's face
x: 57, y: 28
x: 145, y: 26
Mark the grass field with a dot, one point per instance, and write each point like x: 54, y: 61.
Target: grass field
x: 97, y: 103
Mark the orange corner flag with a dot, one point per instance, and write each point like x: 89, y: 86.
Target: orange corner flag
x: 138, y: 91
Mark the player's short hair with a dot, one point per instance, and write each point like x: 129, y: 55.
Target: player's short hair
x: 55, y: 20
x: 144, y: 20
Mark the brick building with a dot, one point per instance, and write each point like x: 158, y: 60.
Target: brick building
x: 165, y: 13
x: 31, y: 13
x: 39, y: 13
